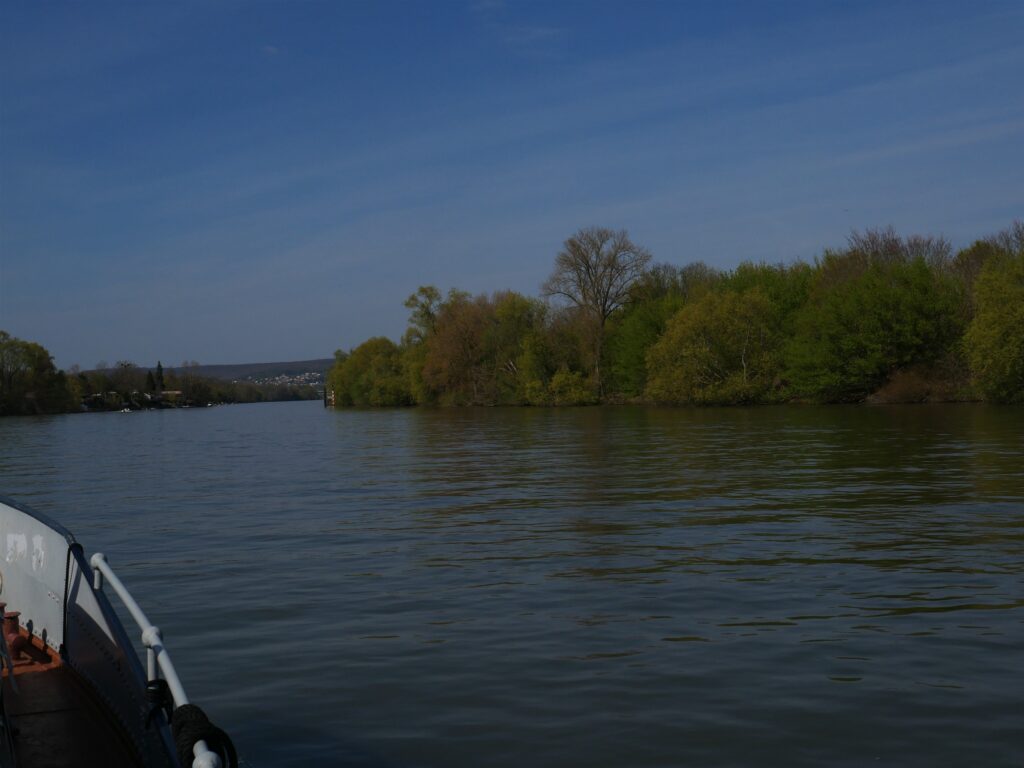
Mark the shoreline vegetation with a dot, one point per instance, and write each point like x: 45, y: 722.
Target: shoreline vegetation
x: 887, y: 319
x: 30, y: 384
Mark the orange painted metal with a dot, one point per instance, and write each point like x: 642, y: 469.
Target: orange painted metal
x: 58, y: 722
x: 16, y: 642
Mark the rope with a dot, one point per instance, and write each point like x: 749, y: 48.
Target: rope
x: 190, y: 724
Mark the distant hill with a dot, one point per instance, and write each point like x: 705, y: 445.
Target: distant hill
x: 251, y: 371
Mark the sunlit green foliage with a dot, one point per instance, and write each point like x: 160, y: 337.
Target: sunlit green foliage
x: 455, y: 368
x: 787, y: 287
x: 485, y: 350
x: 423, y: 307
x: 719, y: 350
x: 882, y: 319
x: 521, y: 358
x: 995, y: 338
x: 370, y: 375
x: 570, y: 388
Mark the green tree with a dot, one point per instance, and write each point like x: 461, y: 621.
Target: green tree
x: 862, y: 324
x: 995, y: 339
x: 370, y: 375
x: 532, y: 365
x: 968, y: 263
x: 515, y: 341
x: 722, y: 349
x: 458, y: 368
x: 423, y: 306
x: 631, y: 334
x: 29, y: 381
x: 786, y: 286
x: 654, y: 298
x: 568, y: 344
x: 482, y: 350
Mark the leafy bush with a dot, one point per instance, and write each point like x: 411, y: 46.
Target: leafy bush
x: 857, y: 330
x: 570, y: 388
x: 371, y: 374
x: 995, y: 339
x: 722, y: 349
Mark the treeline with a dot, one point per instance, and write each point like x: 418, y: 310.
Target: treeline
x: 31, y: 384
x: 885, y: 319
x: 127, y: 385
x: 29, y: 381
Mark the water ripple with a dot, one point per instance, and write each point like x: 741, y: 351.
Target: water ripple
x: 601, y: 587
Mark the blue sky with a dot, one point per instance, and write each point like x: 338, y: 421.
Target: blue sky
x: 234, y: 182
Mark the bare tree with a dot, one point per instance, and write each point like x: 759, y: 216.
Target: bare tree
x: 884, y: 246
x: 1011, y: 239
x: 594, y: 271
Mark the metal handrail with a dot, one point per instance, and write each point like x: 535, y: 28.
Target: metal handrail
x: 157, y: 658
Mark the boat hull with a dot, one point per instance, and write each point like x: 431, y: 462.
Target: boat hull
x: 45, y: 576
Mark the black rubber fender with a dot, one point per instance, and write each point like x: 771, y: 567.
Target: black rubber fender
x: 190, y: 724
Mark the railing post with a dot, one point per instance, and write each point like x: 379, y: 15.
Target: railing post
x: 97, y: 575
x: 158, y: 661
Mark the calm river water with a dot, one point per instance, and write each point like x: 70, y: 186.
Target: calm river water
x: 581, y: 587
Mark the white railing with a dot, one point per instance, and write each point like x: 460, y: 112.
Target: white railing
x: 157, y: 658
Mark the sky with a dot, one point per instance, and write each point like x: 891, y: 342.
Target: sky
x: 258, y: 181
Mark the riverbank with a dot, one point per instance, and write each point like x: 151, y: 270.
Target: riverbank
x: 30, y: 384
x: 887, y: 319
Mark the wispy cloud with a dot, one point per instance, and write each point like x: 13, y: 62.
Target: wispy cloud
x: 928, y: 143
x: 487, y: 6
x: 524, y: 38
x: 527, y: 36
x: 314, y: 198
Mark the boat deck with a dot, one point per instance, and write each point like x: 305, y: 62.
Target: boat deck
x: 56, y: 720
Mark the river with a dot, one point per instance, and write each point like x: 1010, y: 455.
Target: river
x: 790, y: 586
